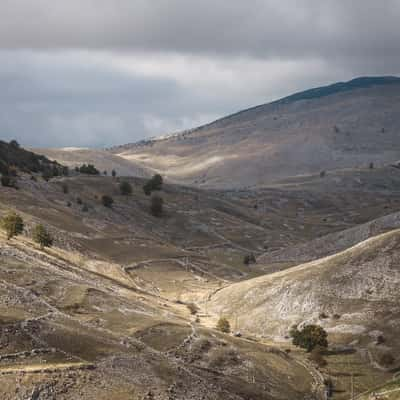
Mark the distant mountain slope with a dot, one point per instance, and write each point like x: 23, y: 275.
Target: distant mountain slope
x: 343, y: 125
x: 102, y: 160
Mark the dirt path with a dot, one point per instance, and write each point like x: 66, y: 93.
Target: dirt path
x: 45, y: 368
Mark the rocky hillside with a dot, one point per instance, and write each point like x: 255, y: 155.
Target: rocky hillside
x: 344, y: 125
x: 353, y: 294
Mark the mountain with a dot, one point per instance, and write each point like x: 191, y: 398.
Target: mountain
x: 344, y: 125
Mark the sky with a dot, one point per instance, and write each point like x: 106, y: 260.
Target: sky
x: 97, y: 73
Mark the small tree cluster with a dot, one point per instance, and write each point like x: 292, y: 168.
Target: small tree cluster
x: 89, y: 169
x: 125, y: 188
x: 13, y: 224
x: 223, y: 325
x: 41, y: 236
x: 249, y: 259
x: 309, y: 337
x: 153, y: 184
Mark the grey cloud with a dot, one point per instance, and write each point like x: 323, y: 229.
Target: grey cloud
x: 261, y: 28
x: 101, y: 72
x: 58, y: 100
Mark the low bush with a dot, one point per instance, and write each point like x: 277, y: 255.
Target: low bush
x: 13, y: 224
x: 125, y: 188
x: 309, y: 337
x: 107, y: 201
x: 223, y: 325
x: 41, y: 236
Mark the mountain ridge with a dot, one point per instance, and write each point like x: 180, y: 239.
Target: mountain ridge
x: 344, y: 125
x: 361, y: 82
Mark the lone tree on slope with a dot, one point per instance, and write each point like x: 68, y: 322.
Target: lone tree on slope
x: 13, y: 224
x: 41, y: 236
x: 309, y: 337
x: 223, y: 325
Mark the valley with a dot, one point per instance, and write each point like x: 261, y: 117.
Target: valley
x: 104, y: 312
x: 199, y: 284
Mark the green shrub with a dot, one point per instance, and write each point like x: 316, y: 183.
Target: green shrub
x: 107, y: 201
x: 13, y: 224
x: 153, y: 184
x: 223, y: 325
x: 125, y: 188
x: 89, y: 169
x: 41, y: 236
x: 309, y: 337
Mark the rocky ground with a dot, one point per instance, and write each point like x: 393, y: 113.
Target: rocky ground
x: 105, y: 313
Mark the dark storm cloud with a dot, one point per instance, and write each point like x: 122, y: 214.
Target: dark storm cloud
x: 101, y: 72
x: 257, y: 27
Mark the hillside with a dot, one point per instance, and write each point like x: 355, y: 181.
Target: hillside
x: 353, y: 294
x: 103, y: 314
x: 344, y: 125
x: 104, y: 161
x: 12, y: 156
x: 113, y: 296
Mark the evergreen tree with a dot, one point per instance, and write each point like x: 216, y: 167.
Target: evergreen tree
x: 223, y: 325
x: 41, y: 236
x: 13, y: 224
